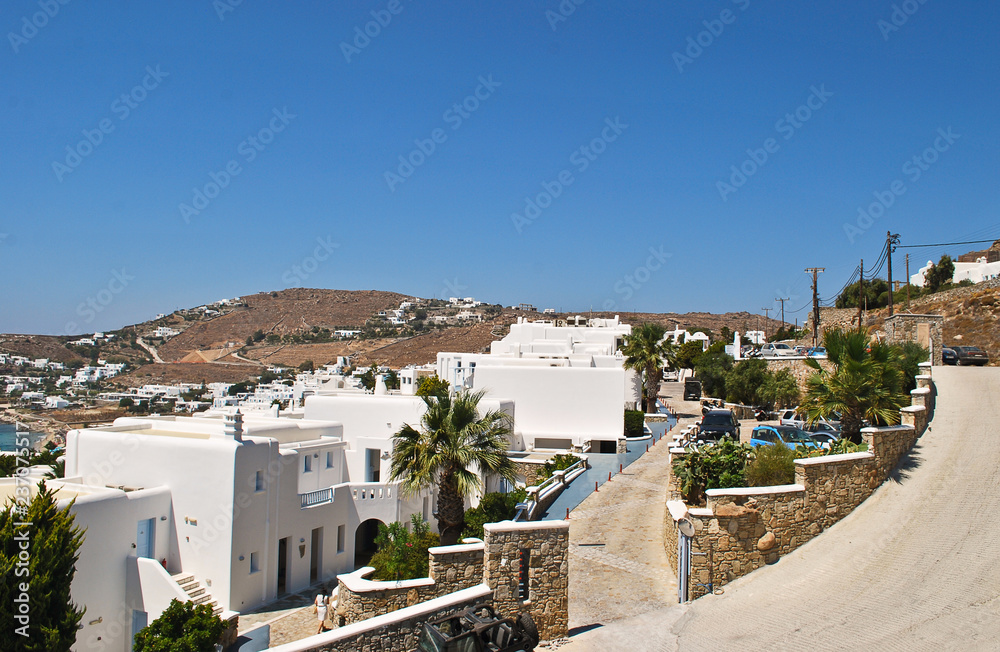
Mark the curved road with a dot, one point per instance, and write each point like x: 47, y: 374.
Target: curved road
x: 915, y: 567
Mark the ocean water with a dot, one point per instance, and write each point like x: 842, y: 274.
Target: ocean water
x: 7, y: 437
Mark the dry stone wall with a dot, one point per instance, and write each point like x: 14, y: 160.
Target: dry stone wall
x: 454, y: 568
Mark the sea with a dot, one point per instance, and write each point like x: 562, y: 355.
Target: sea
x: 7, y: 437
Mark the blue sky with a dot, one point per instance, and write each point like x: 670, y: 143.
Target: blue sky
x: 621, y: 121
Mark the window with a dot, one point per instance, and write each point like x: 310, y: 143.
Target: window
x: 258, y: 482
x: 254, y: 562
x: 329, y: 459
x: 307, y: 465
x: 522, y: 579
x: 340, y: 538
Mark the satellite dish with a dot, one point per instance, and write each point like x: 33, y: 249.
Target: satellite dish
x: 686, y: 527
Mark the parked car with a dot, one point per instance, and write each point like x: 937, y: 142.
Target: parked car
x: 948, y: 356
x: 776, y: 350
x: 818, y: 352
x: 692, y: 390
x: 787, y: 435
x: 825, y: 437
x: 799, y: 420
x: 716, y: 424
x: 478, y: 629
x: 670, y: 376
x: 801, y: 350
x: 971, y: 355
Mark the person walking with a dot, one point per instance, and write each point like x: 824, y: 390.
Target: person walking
x: 319, y: 608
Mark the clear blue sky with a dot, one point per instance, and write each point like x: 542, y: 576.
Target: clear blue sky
x: 70, y: 221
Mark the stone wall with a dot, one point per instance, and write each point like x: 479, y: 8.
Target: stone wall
x: 742, y: 529
x: 530, y: 472
x: 360, y: 599
x: 395, y: 632
x: 925, y: 329
x: 456, y: 567
x: 798, y: 368
x: 547, y: 546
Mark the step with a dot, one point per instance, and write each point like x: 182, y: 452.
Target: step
x: 194, y: 593
x: 201, y: 599
x: 182, y: 577
x: 188, y: 583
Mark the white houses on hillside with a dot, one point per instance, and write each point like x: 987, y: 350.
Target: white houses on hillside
x: 977, y: 271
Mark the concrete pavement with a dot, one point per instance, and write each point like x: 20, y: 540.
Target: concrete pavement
x: 915, y: 567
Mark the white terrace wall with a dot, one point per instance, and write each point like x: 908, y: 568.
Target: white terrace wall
x: 742, y: 529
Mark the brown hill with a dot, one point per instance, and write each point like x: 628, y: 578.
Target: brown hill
x: 284, y: 312
x: 38, y: 346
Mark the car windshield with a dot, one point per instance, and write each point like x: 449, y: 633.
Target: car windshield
x: 782, y: 346
x: 796, y: 436
x: 717, y: 420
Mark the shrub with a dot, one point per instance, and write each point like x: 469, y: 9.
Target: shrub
x: 181, y: 627
x: 711, y: 369
x: 402, y: 554
x: 771, y: 465
x: 712, y: 467
x: 635, y: 420
x: 559, y: 462
x: 492, y: 508
x: 744, y: 382
x: 839, y: 447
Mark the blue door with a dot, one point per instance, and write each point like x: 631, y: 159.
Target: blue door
x: 138, y: 622
x: 144, y: 539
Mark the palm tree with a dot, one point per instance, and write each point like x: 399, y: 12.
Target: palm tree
x: 452, y: 440
x: 866, y: 382
x: 647, y: 352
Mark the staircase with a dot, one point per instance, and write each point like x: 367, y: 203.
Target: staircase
x: 196, y: 592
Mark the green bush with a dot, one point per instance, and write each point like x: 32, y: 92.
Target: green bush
x: 182, y: 627
x: 771, y: 465
x: 559, y: 462
x: 635, y: 420
x: 711, y: 369
x: 493, y: 508
x: 744, y: 382
x: 712, y: 467
x: 402, y: 554
x: 839, y: 447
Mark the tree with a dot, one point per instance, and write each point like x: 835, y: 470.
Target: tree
x: 307, y: 366
x: 402, y: 554
x: 870, y: 297
x: 453, y: 440
x: 866, y: 382
x: 744, y: 381
x: 939, y: 274
x: 780, y: 390
x: 647, y: 352
x: 688, y: 354
x: 126, y: 402
x: 432, y: 386
x: 53, y: 550
x: 711, y: 369
x: 182, y: 627
x: 392, y: 380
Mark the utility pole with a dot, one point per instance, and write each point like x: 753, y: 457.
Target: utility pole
x: 782, y: 310
x: 861, y: 289
x: 766, y: 310
x: 907, y: 282
x: 891, y: 240
x: 815, y: 272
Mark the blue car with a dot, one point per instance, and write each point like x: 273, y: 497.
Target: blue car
x: 787, y: 435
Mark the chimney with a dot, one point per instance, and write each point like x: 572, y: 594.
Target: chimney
x: 234, y: 425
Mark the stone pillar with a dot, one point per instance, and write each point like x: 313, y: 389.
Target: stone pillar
x: 539, y: 552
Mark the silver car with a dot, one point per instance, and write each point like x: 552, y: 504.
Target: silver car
x: 776, y: 350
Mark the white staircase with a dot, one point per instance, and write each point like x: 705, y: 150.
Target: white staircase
x: 196, y: 592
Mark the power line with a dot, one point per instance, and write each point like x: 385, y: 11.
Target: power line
x: 945, y: 244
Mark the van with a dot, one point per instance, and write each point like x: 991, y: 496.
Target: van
x: 692, y: 390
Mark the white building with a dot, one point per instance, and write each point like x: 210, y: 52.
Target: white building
x: 976, y: 272
x: 165, y: 332
x: 567, y: 383
x: 245, y: 510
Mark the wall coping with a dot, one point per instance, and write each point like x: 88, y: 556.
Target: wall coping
x: 676, y: 451
x: 677, y: 509
x: 418, y: 611
x: 886, y: 428
x: 832, y: 459
x: 510, y: 526
x: 923, y: 376
x: 755, y: 491
x: 701, y: 511
x: 356, y: 583
x: 457, y: 548
x: 913, y: 408
x: 921, y: 390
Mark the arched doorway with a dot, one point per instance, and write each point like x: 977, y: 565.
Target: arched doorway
x: 364, y: 542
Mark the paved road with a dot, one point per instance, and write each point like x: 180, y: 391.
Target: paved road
x: 915, y: 567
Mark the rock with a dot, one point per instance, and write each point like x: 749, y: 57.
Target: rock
x: 766, y: 542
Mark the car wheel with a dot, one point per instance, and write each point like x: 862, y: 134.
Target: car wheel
x: 528, y: 627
